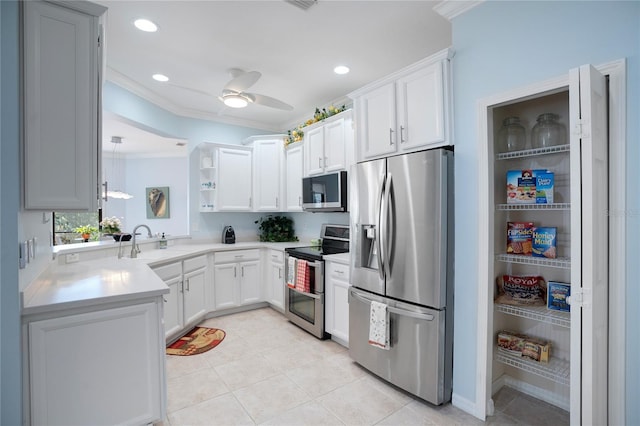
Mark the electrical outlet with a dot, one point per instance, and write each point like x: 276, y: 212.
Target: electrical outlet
x: 72, y: 258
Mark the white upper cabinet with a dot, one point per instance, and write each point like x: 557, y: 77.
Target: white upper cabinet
x: 268, y: 172
x: 407, y: 111
x: 295, y: 166
x: 329, y: 145
x: 234, y: 180
x: 62, y: 85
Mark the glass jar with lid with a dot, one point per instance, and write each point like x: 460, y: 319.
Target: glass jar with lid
x: 511, y: 136
x: 548, y: 131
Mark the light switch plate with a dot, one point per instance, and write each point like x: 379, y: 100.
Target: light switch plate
x: 72, y: 257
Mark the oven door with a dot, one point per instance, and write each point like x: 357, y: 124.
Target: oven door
x: 306, y: 310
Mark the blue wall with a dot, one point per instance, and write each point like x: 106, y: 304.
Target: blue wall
x: 10, y: 379
x: 503, y: 45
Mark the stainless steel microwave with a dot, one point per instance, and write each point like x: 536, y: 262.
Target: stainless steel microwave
x: 325, y: 193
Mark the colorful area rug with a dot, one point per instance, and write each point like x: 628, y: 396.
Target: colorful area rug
x: 196, y: 341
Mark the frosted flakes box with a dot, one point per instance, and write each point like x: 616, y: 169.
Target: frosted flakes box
x: 519, y: 238
x: 530, y: 186
x: 544, y: 186
x: 543, y: 242
x: 557, y: 294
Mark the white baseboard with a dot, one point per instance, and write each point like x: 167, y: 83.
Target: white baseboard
x: 552, y: 398
x: 465, y: 405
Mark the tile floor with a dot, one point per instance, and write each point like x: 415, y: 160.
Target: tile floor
x: 267, y: 371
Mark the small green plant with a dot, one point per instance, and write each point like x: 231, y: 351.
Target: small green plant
x: 276, y: 229
x: 86, y: 231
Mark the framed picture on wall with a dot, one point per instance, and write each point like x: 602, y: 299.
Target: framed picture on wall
x: 157, y: 201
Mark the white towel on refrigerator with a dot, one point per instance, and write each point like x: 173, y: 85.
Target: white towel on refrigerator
x: 379, y: 325
x: 291, y: 272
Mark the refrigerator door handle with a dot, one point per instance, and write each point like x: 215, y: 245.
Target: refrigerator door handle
x: 380, y: 232
x: 395, y: 310
x: 388, y: 220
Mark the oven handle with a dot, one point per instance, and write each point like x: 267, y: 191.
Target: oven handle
x: 314, y: 296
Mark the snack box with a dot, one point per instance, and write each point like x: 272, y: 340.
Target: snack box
x: 557, y: 294
x: 521, y: 187
x: 543, y: 242
x: 536, y: 350
x: 519, y: 238
x: 511, y: 342
x: 544, y: 186
x: 530, y: 186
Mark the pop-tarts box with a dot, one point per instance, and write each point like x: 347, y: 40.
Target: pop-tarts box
x: 544, y: 186
x: 557, y: 294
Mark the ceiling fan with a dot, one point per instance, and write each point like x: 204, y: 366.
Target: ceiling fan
x: 234, y: 95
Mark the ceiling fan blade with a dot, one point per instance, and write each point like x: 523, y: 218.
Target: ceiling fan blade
x: 243, y: 81
x: 269, y: 101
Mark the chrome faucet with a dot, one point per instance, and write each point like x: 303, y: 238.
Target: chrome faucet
x: 134, y: 249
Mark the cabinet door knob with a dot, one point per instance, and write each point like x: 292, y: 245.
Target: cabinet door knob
x: 401, y: 134
x: 320, y: 162
x: 390, y: 136
x: 187, y: 285
x: 235, y: 272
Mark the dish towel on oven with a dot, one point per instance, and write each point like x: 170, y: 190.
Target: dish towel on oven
x: 379, y: 325
x: 302, y: 276
x: 291, y: 272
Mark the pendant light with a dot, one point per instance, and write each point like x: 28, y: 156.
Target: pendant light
x: 116, y: 167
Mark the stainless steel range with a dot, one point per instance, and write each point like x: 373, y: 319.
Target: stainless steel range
x: 304, y: 304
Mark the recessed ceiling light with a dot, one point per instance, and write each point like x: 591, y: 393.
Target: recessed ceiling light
x: 145, y: 25
x: 341, y: 69
x: 160, y: 77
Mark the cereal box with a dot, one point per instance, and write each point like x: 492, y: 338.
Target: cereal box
x: 519, y: 238
x: 521, y: 187
x: 557, y: 294
x: 544, y: 186
x: 544, y: 242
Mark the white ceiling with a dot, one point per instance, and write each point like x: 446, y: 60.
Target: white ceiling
x: 295, y: 50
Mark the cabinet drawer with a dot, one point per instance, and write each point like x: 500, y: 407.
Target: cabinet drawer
x: 236, y: 256
x: 167, y: 272
x: 276, y: 256
x: 339, y: 271
x: 195, y: 263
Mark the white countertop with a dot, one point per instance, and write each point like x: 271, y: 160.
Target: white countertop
x: 109, y: 279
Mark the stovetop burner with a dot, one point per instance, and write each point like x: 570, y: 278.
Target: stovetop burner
x: 335, y: 239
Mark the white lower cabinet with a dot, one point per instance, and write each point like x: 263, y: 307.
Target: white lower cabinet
x: 276, y: 279
x: 82, y: 366
x: 237, y: 278
x: 186, y: 302
x: 337, y: 301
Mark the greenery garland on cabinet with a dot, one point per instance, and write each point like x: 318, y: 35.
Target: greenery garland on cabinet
x: 295, y: 135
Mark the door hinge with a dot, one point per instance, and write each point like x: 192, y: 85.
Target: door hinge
x: 579, y: 298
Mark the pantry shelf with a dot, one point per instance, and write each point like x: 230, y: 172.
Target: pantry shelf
x: 533, y: 152
x: 561, y: 262
x: 556, y: 370
x: 554, y: 206
x: 538, y: 313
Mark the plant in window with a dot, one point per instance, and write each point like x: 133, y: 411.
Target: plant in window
x: 276, y: 229
x: 111, y: 225
x: 86, y: 231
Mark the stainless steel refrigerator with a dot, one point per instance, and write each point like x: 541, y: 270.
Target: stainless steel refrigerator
x: 402, y: 256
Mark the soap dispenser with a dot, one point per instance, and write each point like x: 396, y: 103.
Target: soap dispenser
x: 163, y: 242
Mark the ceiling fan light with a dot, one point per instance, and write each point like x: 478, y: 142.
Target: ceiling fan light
x: 235, y: 101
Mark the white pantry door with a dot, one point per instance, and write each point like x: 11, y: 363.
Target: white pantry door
x: 589, y: 234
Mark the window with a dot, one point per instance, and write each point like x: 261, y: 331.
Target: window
x: 66, y: 223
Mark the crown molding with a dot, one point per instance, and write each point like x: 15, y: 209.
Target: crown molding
x: 452, y: 8
x: 130, y: 85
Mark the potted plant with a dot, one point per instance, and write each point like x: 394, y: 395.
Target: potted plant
x: 276, y: 229
x: 86, y: 231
